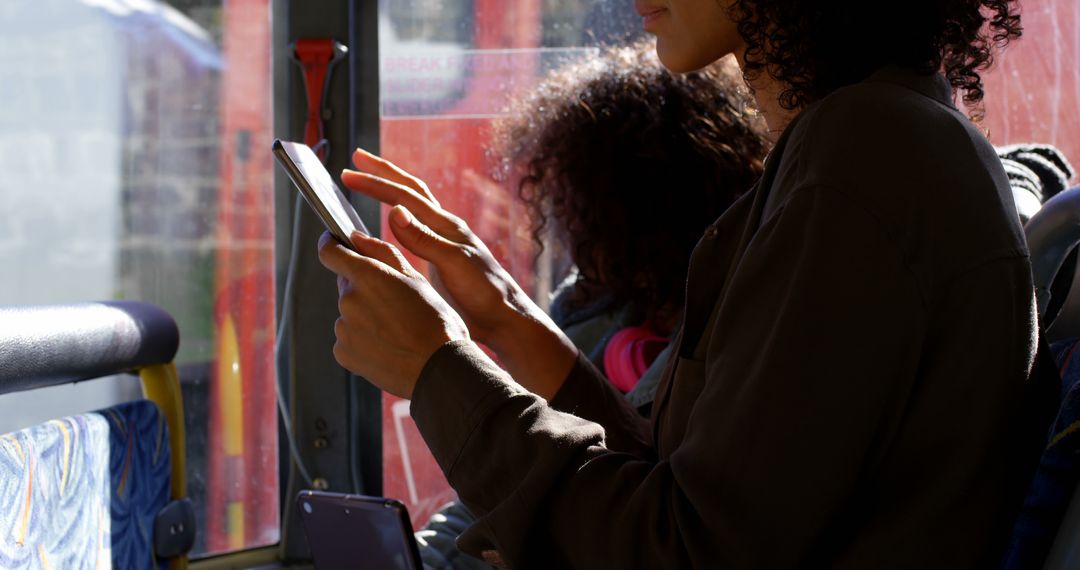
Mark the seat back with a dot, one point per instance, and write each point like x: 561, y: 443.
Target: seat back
x: 1046, y: 531
x: 1065, y: 552
x: 85, y: 488
x: 1039, y: 523
x: 1052, y: 234
x: 105, y: 486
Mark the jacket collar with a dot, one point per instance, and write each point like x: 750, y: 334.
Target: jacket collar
x: 933, y: 86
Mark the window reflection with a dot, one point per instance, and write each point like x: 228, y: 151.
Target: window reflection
x: 447, y: 70
x: 128, y: 137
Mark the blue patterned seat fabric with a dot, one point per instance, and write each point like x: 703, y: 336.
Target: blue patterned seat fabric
x: 83, y: 491
x: 1058, y: 472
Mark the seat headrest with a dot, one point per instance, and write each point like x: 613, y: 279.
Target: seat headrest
x: 46, y: 345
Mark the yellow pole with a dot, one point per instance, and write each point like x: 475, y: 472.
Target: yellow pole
x: 161, y: 385
x: 230, y: 390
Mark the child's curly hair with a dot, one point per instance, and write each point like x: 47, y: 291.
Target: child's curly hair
x: 816, y: 47
x: 630, y: 163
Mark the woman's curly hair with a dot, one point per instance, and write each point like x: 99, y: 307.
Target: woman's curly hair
x: 628, y: 164
x: 815, y: 47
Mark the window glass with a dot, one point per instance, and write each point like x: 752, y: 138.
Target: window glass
x: 1032, y: 96
x: 133, y: 137
x: 1033, y: 91
x: 448, y: 69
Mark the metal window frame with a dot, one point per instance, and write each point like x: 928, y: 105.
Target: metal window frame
x: 337, y: 418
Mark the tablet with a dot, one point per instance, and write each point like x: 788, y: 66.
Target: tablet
x: 354, y: 531
x: 318, y: 188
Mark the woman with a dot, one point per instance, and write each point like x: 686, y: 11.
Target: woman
x: 591, y: 143
x: 823, y: 406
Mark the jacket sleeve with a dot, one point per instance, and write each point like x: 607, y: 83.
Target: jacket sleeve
x: 772, y: 445
x: 587, y: 394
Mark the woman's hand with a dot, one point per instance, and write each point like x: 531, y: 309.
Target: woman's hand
x: 497, y: 311
x: 462, y: 267
x: 392, y: 320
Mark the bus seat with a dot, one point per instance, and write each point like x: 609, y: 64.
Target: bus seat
x: 1052, y: 234
x: 1043, y: 520
x: 1046, y: 522
x: 103, y: 488
x: 1059, y: 468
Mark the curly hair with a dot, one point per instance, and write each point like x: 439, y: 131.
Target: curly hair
x: 813, y: 48
x: 629, y: 163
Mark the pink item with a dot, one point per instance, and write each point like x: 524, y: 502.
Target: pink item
x: 629, y: 354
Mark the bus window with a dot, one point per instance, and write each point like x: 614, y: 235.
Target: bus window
x: 1032, y: 95
x: 1033, y: 91
x: 133, y: 141
x: 447, y: 70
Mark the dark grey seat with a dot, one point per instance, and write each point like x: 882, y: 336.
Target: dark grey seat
x: 1053, y: 233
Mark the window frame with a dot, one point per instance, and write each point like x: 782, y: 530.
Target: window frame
x: 336, y: 416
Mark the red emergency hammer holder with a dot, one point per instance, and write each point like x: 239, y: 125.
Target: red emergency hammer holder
x: 317, y: 57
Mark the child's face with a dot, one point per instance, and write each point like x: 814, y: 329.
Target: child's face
x: 690, y: 34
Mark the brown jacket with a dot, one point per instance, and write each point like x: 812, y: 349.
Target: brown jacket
x: 858, y: 331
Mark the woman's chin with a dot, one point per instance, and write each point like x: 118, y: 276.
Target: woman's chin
x: 678, y: 59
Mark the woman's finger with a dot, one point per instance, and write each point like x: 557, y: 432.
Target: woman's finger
x: 343, y: 349
x: 379, y: 166
x: 394, y: 194
x: 378, y: 249
x: 382, y: 189
x: 349, y: 264
x: 418, y: 238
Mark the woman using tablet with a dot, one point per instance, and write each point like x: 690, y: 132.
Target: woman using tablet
x: 590, y: 143
x: 858, y: 330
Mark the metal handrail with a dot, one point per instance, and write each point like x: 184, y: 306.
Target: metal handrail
x: 47, y: 345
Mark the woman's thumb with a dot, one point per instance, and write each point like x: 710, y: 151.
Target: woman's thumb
x: 416, y: 237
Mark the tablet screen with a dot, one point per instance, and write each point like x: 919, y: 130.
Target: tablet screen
x: 320, y: 188
x: 352, y: 531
